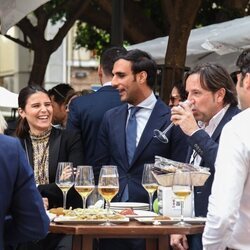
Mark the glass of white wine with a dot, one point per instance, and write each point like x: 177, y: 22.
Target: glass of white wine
x: 64, y: 178
x: 108, y: 186
x: 182, y: 187
x: 149, y: 183
x: 84, y: 182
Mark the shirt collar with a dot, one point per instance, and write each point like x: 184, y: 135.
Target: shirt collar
x: 147, y: 103
x: 214, y: 121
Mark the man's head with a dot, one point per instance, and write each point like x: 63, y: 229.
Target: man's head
x: 210, y: 88
x: 178, y: 94
x: 107, y: 62
x: 243, y: 79
x: 134, y: 76
x: 58, y: 95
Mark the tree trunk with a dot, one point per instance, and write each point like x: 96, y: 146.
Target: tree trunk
x: 41, y: 60
x: 181, y: 15
x: 34, y: 37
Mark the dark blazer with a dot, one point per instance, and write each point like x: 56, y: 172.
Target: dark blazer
x: 207, y: 148
x: 111, y: 147
x: 22, y: 214
x: 64, y: 146
x: 86, y: 113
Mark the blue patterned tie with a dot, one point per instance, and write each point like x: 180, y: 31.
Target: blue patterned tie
x: 131, y: 133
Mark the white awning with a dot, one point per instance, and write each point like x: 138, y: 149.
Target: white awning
x: 8, y: 99
x: 221, y: 43
x: 12, y: 11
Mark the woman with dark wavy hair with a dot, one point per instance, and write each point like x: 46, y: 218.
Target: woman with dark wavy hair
x: 45, y: 145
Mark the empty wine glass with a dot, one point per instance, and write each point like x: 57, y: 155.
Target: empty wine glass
x: 64, y: 178
x: 182, y: 187
x: 162, y: 135
x: 108, y: 187
x: 84, y: 182
x: 149, y: 183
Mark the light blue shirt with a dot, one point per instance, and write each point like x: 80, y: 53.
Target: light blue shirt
x: 143, y: 114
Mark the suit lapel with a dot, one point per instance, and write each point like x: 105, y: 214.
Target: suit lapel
x: 189, y: 153
x: 119, y: 127
x: 227, y: 117
x: 27, y: 144
x: 159, y: 119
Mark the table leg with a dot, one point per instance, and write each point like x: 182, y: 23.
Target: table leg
x: 77, y: 242
x: 163, y: 242
x: 151, y: 244
x: 87, y: 242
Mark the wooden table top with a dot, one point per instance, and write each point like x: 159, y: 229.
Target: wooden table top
x: 132, y: 228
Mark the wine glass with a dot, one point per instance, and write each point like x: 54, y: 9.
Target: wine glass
x: 108, y: 186
x: 149, y: 183
x: 162, y: 135
x: 182, y: 187
x: 84, y: 182
x: 64, y: 178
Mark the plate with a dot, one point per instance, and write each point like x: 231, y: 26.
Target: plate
x: 51, y: 216
x: 195, y: 220
x: 147, y: 220
x: 124, y: 205
x: 70, y: 220
x: 172, y: 220
x: 141, y: 214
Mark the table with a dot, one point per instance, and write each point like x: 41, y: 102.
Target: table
x: 156, y: 235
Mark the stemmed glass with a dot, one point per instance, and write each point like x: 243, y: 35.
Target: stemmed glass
x: 149, y: 183
x: 64, y: 178
x: 182, y: 187
x: 108, y: 187
x: 162, y: 135
x: 84, y: 182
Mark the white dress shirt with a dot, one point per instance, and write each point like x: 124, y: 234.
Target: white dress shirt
x: 210, y: 128
x: 143, y: 114
x: 228, y: 218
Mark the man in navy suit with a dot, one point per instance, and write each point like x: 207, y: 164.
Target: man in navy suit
x: 214, y: 102
x: 22, y: 214
x: 86, y: 112
x: 134, y: 78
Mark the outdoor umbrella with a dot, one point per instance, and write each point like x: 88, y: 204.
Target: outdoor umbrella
x: 12, y: 11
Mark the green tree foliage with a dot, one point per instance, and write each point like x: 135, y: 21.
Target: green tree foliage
x: 216, y: 11
x: 91, y: 38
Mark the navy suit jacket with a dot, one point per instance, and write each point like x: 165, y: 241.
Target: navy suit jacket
x: 111, y: 147
x: 86, y: 113
x: 22, y: 214
x: 207, y: 148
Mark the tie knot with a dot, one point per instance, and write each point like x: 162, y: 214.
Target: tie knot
x: 133, y: 111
